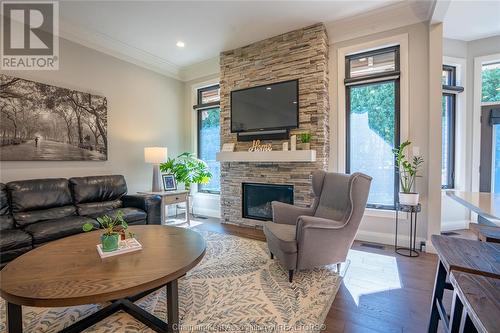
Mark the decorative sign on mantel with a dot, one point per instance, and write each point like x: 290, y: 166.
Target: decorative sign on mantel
x: 257, y: 146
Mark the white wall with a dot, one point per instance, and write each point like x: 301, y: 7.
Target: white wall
x: 144, y: 109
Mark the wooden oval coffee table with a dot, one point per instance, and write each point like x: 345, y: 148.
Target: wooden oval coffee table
x: 70, y: 272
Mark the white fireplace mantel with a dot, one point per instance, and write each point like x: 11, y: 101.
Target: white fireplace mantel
x: 273, y: 156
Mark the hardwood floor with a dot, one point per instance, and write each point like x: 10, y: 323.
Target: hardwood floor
x: 381, y: 291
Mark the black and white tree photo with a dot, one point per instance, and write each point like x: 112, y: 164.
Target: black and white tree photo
x: 40, y: 122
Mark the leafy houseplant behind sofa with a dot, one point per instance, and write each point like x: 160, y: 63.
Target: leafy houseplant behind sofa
x: 43, y: 210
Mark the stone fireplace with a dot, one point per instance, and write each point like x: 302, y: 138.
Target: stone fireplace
x: 301, y: 54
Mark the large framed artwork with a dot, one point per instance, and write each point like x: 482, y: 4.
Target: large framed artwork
x: 40, y: 122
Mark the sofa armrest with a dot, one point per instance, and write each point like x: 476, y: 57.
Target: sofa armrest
x: 151, y: 204
x: 287, y: 214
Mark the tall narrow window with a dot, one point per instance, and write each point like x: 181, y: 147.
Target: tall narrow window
x: 208, y: 116
x: 372, y: 97
x: 490, y: 95
x: 490, y: 75
x: 448, y: 116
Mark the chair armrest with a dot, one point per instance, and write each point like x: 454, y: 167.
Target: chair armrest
x: 287, y: 214
x: 151, y: 204
x: 321, y: 241
x: 304, y: 222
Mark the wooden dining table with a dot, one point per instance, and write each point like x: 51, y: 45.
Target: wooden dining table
x: 486, y: 205
x: 462, y: 256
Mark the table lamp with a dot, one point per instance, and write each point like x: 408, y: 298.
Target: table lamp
x: 155, y: 156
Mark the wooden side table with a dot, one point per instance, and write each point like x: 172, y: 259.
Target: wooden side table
x: 172, y: 198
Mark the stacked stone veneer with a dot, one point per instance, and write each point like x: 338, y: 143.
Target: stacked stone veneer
x: 301, y: 54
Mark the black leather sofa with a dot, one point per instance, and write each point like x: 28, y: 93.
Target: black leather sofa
x: 37, y: 211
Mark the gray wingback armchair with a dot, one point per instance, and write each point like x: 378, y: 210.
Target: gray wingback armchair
x: 322, y: 234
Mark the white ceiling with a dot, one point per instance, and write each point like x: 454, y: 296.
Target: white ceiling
x: 149, y: 30
x: 470, y: 20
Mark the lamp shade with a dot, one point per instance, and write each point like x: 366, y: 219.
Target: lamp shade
x: 155, y: 155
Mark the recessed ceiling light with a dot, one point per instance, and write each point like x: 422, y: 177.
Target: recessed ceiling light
x: 268, y: 88
x: 180, y: 44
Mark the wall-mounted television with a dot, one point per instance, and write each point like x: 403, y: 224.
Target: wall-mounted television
x: 265, y: 108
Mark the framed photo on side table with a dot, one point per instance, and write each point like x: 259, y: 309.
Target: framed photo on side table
x: 169, y: 183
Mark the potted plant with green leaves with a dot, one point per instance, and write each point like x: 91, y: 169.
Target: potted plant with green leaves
x: 113, y: 227
x: 408, y: 173
x: 305, y: 141
x: 187, y: 169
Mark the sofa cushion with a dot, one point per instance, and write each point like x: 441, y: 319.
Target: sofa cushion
x: 13, y: 239
x: 92, y: 208
x: 130, y: 214
x: 98, y: 188
x: 9, y: 255
x: 282, y: 236
x: 6, y: 220
x: 25, y: 218
x: 38, y: 194
x: 49, y: 230
x: 4, y: 200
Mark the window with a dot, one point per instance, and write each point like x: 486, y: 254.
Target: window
x: 495, y: 172
x: 208, y: 126
x: 490, y: 75
x: 372, y: 126
x: 448, y: 141
x: 448, y: 119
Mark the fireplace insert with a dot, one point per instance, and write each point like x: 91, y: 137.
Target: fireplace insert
x: 257, y: 199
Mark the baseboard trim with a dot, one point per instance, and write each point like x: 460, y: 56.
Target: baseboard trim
x: 385, y: 238
x: 207, y: 212
x: 454, y: 225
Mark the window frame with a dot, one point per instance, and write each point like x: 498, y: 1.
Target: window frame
x: 199, y: 108
x: 349, y: 80
x: 390, y: 76
x: 451, y: 89
x: 451, y: 110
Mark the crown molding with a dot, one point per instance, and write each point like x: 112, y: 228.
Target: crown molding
x: 378, y: 20
x: 118, y: 49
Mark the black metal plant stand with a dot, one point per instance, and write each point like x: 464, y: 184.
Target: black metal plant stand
x: 410, y: 251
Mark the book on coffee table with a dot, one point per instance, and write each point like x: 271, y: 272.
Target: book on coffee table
x: 125, y: 246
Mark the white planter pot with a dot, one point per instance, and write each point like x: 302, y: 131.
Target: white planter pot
x: 408, y: 198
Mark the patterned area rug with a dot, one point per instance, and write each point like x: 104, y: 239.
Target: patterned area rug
x: 235, y: 288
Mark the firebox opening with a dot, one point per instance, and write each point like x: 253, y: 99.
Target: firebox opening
x: 257, y: 199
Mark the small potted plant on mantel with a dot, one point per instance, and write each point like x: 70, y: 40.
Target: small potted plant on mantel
x: 113, y: 228
x: 305, y: 141
x: 408, y: 172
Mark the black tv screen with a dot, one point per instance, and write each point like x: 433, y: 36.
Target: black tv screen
x: 267, y: 107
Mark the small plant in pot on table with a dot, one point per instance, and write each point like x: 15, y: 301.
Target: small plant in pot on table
x: 113, y: 226
x: 408, y: 172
